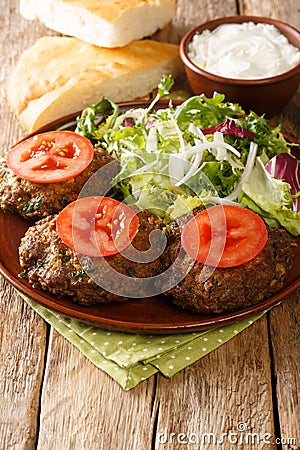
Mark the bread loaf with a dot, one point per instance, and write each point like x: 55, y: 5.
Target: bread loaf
x: 59, y: 75
x: 106, y: 23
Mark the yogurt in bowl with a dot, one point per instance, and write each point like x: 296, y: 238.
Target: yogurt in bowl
x: 260, y: 70
x: 245, y: 50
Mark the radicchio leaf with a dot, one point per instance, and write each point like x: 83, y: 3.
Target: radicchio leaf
x: 229, y: 127
x: 128, y: 122
x: 287, y: 168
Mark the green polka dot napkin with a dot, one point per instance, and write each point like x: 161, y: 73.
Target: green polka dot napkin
x: 132, y: 358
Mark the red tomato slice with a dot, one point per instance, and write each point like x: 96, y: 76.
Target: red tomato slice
x: 97, y: 226
x: 224, y: 236
x: 51, y: 157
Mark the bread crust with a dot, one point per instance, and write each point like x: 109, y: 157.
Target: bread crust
x: 59, y: 75
x: 95, y: 22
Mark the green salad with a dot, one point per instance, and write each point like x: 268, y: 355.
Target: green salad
x: 175, y: 157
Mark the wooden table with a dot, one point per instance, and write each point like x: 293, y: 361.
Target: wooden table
x: 52, y: 397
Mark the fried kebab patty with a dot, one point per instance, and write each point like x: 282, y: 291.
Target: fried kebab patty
x: 37, y: 200
x: 52, y: 266
x: 228, y: 289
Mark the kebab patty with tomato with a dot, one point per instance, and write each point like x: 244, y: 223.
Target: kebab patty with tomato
x: 218, y: 271
x: 44, y: 173
x: 249, y: 262
x: 65, y: 254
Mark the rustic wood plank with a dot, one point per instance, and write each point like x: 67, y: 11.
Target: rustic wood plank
x: 230, y: 386
x: 191, y: 13
x: 285, y: 338
x: 83, y: 408
x: 287, y: 11
x: 22, y: 332
x: 17, y: 34
x: 22, y: 345
x: 284, y: 320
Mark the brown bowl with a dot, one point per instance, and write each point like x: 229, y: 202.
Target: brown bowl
x: 265, y: 95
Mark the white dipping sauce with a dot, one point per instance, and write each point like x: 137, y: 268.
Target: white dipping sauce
x: 243, y: 51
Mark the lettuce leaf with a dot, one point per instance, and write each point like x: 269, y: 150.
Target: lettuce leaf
x: 183, y: 205
x: 287, y: 168
x: 271, y: 199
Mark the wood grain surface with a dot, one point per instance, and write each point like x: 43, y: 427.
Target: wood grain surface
x: 52, y: 397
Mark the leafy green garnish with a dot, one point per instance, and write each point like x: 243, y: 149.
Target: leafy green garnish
x: 80, y: 273
x: 220, y: 174
x: 270, y: 140
x: 165, y: 85
x: 33, y: 205
x: 206, y: 112
x: 92, y: 115
x: 23, y: 273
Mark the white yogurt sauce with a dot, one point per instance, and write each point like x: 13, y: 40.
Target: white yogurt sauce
x: 243, y: 51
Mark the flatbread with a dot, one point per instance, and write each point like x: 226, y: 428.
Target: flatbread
x: 104, y: 23
x: 59, y: 75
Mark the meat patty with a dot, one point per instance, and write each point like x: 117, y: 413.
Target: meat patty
x: 52, y: 266
x: 228, y: 289
x: 37, y: 200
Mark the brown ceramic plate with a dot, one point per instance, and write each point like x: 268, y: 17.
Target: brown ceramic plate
x: 148, y: 315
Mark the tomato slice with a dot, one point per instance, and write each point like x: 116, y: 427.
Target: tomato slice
x: 97, y: 226
x: 51, y: 157
x: 224, y: 236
